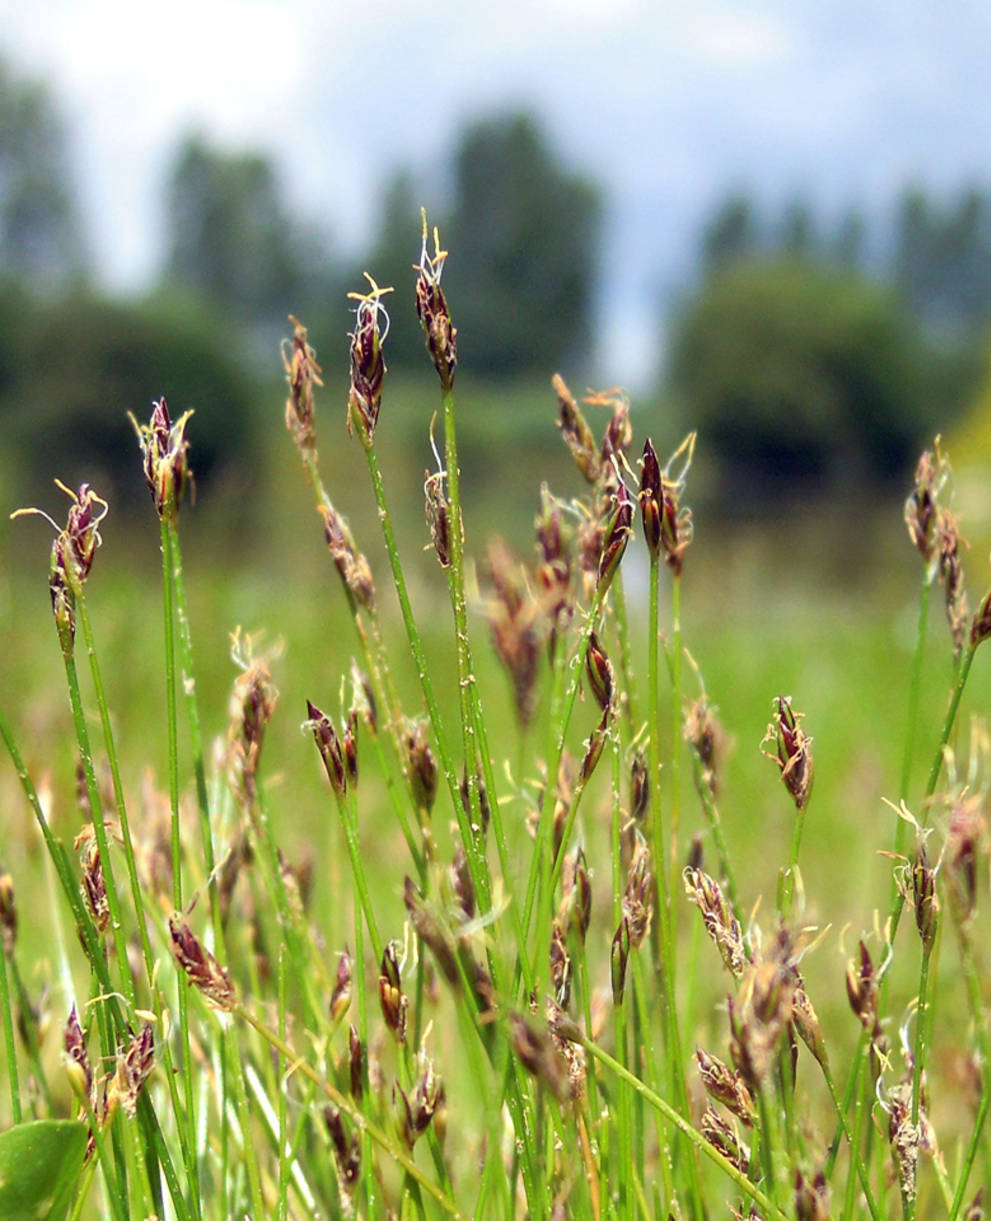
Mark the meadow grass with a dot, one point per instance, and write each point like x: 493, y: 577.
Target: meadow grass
x: 555, y: 941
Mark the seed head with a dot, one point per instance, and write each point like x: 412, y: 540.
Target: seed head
x: 704, y: 734
x: 431, y: 309
x: 76, y: 1054
x: 514, y: 615
x: 638, y: 904
x: 965, y: 838
x: 421, y: 766
x: 252, y: 703
x: 540, y: 1056
x: 947, y: 544
x: 204, y: 972
x: 95, y: 888
x: 724, y: 1138
x: 980, y: 629
x: 347, y: 1151
x: 618, y: 959
x: 726, y: 1086
x: 356, y: 1063
x: 166, y: 465
x: 433, y: 932
x: 302, y: 374
x: 560, y: 966
x: 811, y: 1197
x: 792, y: 750
x: 651, y: 498
x: 367, y: 366
x: 862, y: 989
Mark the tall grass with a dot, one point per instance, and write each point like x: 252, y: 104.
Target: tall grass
x: 585, y: 1006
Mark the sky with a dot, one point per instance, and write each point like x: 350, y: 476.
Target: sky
x: 668, y: 103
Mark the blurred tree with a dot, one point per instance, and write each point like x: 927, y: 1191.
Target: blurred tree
x: 231, y: 239
x: 731, y: 233
x: 40, y: 236
x: 80, y: 364
x: 797, y: 374
x: 798, y: 237
x: 848, y: 241
x: 524, y: 241
x: 942, y: 259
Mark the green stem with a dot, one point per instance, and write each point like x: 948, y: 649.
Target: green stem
x: 671, y: 1115
x: 8, y: 1038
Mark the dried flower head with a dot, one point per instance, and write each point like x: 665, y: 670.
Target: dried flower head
x: 704, y: 734
x: 925, y: 901
x: 205, y: 973
x: 514, y: 623
x: 577, y: 434
x: 166, y: 465
x: 354, y: 569
x: 921, y: 506
x: 947, y: 542
x: 431, y: 309
x: 252, y: 703
x: 766, y: 1009
x: 94, y: 888
x: 726, y: 1086
x: 792, y: 750
x: 302, y: 374
x: 371, y: 327
x: 638, y: 904
x: 134, y: 1067
x: 720, y: 923
x: 724, y: 1138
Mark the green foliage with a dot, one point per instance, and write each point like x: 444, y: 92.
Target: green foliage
x: 68, y: 416
x: 39, y: 1165
x: 39, y: 228
x: 793, y: 372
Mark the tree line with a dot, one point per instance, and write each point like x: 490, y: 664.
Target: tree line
x: 805, y: 351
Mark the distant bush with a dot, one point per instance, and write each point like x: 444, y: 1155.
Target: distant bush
x: 72, y: 369
x: 796, y: 373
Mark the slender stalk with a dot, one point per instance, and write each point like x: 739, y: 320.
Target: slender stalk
x: 665, y: 1109
x: 8, y: 1039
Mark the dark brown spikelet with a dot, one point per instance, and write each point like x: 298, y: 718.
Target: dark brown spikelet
x: 484, y: 808
x: 980, y: 628
x: 639, y: 786
x: 95, y: 888
x: 553, y: 568
x: 767, y: 1010
x: 205, y: 973
x: 462, y: 886
x: 392, y: 999
x: 617, y: 534
x: 340, y: 998
x: 651, y: 498
x: 417, y: 1111
x: 619, y: 956
x: 540, y: 1056
x: 330, y: 747
x: 72, y: 555
x: 352, y: 566
x: 724, y: 1138
x: 302, y: 374
x: 965, y: 842
x: 925, y: 901
x: 438, y: 511
x: 862, y: 988
x: 8, y: 914
x: 356, y: 1063
x: 347, y: 1150
x: 371, y: 325
x: 166, y: 463
x: 599, y: 671
x: 806, y: 1021
x: 431, y: 309
x: 577, y: 435
x: 792, y: 750
x: 576, y: 893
